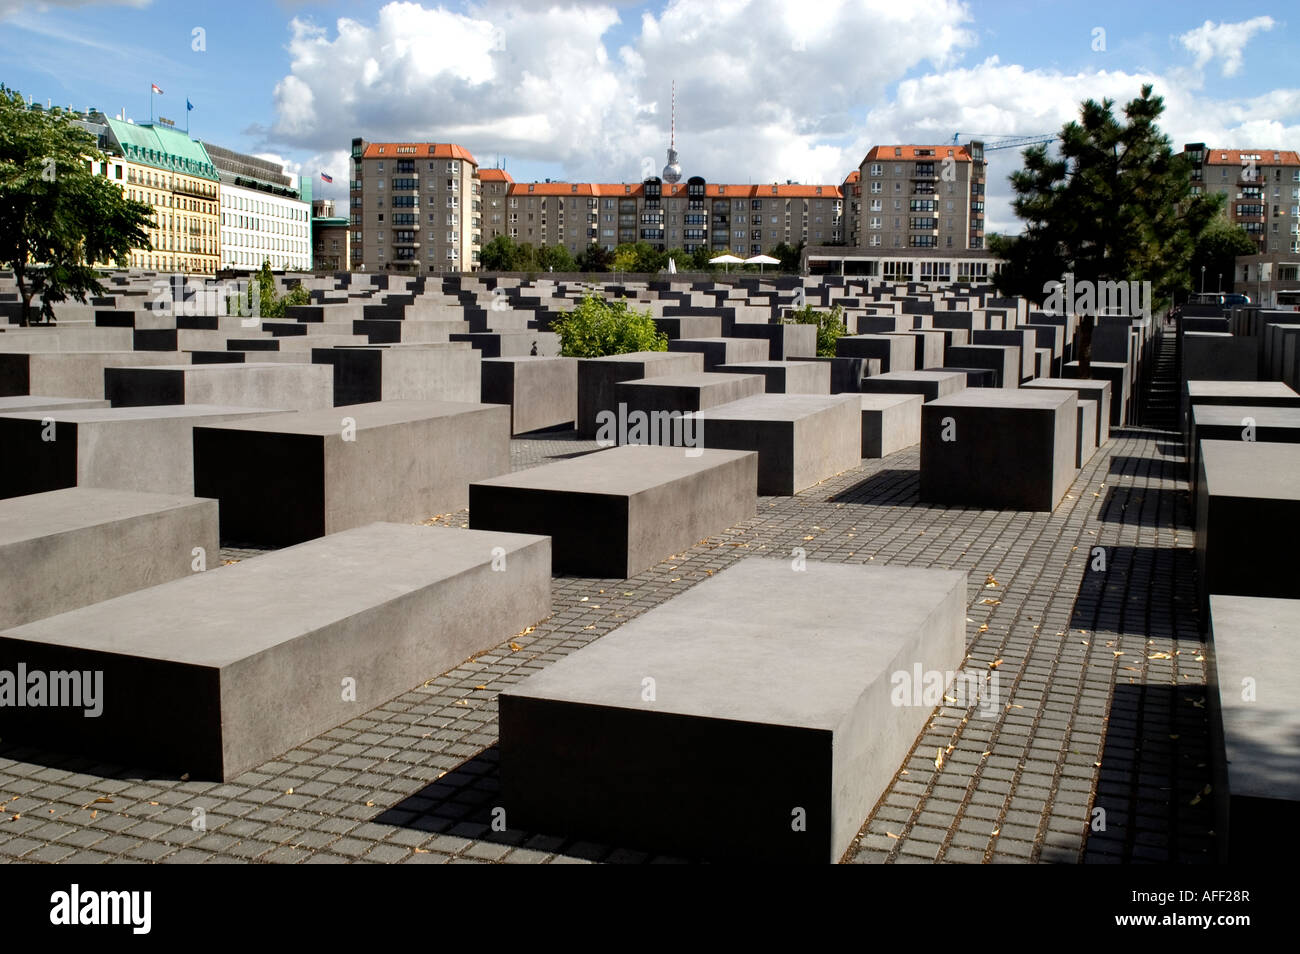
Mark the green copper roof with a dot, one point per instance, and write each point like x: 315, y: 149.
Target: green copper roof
x: 162, y: 147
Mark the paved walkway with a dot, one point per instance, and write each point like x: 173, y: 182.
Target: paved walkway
x: 1096, y: 751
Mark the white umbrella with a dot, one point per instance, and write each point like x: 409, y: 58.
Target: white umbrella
x: 672, y: 266
x: 761, y: 260
x: 726, y: 260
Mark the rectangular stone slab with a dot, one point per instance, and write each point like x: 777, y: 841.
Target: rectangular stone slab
x: 291, y: 477
x: 801, y: 439
x: 895, y: 352
x: 541, y: 392
x: 716, y: 351
x: 216, y: 673
x: 1086, y: 434
x: 68, y: 373
x: 617, y: 512
x: 890, y: 422
x: 295, y: 387
x: 684, y: 393
x: 68, y: 548
x: 929, y: 384
x: 597, y: 378
x: 1002, y: 360
x: 27, y: 402
x: 1247, y: 518
x: 1255, y: 712
x: 787, y: 377
x: 999, y: 449
x: 1121, y: 389
x: 761, y: 665
x: 149, y: 449
x: 1086, y: 389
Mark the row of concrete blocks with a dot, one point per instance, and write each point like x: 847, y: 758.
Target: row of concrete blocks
x: 351, y: 620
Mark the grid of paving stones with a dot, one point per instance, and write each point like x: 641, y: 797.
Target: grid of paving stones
x: 1095, y: 748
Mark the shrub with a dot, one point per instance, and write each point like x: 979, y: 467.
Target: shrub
x: 830, y: 326
x: 596, y: 328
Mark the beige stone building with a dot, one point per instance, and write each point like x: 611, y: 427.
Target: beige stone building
x: 1262, y: 187
x: 921, y: 197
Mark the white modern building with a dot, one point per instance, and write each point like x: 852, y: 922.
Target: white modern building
x: 265, y: 213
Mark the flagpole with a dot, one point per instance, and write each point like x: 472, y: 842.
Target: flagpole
x: 151, y: 103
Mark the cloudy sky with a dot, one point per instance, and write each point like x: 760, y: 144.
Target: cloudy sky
x: 767, y: 90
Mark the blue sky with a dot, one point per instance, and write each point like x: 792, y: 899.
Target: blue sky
x: 767, y: 90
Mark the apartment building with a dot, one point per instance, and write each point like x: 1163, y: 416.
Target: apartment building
x: 1262, y: 188
x: 414, y: 207
x: 921, y: 197
x: 265, y: 213
x: 741, y: 219
x: 331, y: 237
x: 164, y: 168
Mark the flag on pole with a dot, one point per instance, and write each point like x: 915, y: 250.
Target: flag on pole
x: 153, y: 88
x: 325, y: 178
x: 188, y: 104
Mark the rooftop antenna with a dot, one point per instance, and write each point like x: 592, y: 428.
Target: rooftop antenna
x: 673, y: 171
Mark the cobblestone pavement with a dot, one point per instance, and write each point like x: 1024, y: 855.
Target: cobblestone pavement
x: 1096, y: 750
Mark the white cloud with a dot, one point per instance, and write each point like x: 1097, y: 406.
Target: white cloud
x: 1223, y: 41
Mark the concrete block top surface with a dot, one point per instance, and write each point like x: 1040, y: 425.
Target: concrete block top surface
x: 639, y: 356
x: 758, y: 642
x: 529, y: 359
x: 882, y: 402
x: 1253, y: 469
x: 1044, y: 399
x: 229, y: 613
x: 96, y: 415
x: 1233, y: 415
x: 1068, y: 384
x: 775, y: 407
x: 932, y: 375
x: 618, y: 471
x: 28, y: 402
x: 691, y: 379
x: 328, y: 421
x: 58, y: 511
x: 1269, y: 389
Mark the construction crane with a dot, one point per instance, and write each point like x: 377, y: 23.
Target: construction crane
x: 1010, y: 142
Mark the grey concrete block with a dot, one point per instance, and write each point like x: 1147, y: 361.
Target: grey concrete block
x: 663, y: 734
x: 895, y: 352
x: 890, y: 422
x: 597, y: 378
x: 418, y: 372
x: 216, y: 673
x: 1002, y: 360
x: 787, y: 377
x: 1024, y: 340
x: 786, y: 340
x: 929, y: 384
x: 617, y: 512
x: 541, y: 392
x: 295, y: 387
x: 68, y: 373
x: 69, y: 548
x: 1255, y: 711
x: 1086, y: 434
x: 291, y: 477
x: 930, y: 347
x: 716, y: 351
x: 147, y: 449
x: 801, y: 439
x: 1086, y: 389
x: 683, y: 393
x: 1247, y: 518
x: 1121, y: 387
x: 27, y: 402
x: 999, y: 449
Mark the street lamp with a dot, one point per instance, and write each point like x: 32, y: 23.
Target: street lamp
x: 1219, y: 286
x: 1202, y: 279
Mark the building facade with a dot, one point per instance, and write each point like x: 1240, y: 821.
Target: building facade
x: 414, y: 207
x: 164, y: 168
x: 265, y: 213
x: 1262, y: 187
x: 330, y: 237
x: 921, y: 197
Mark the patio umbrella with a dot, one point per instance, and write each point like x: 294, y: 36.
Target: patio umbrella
x: 761, y: 260
x: 727, y: 261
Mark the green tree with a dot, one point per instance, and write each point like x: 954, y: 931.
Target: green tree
x: 555, y: 258
x: 596, y: 328
x: 498, y: 255
x: 1116, y: 206
x: 830, y: 326
x: 791, y: 256
x: 638, y: 257
x: 594, y: 258
x: 700, y: 259
x: 270, y: 304
x: 56, y: 217
x: 1217, y: 249
x: 680, y: 256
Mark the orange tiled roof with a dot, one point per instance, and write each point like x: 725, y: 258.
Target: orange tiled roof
x: 1233, y: 157
x: 711, y: 190
x: 494, y: 175
x: 438, y: 150
x: 878, y: 153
